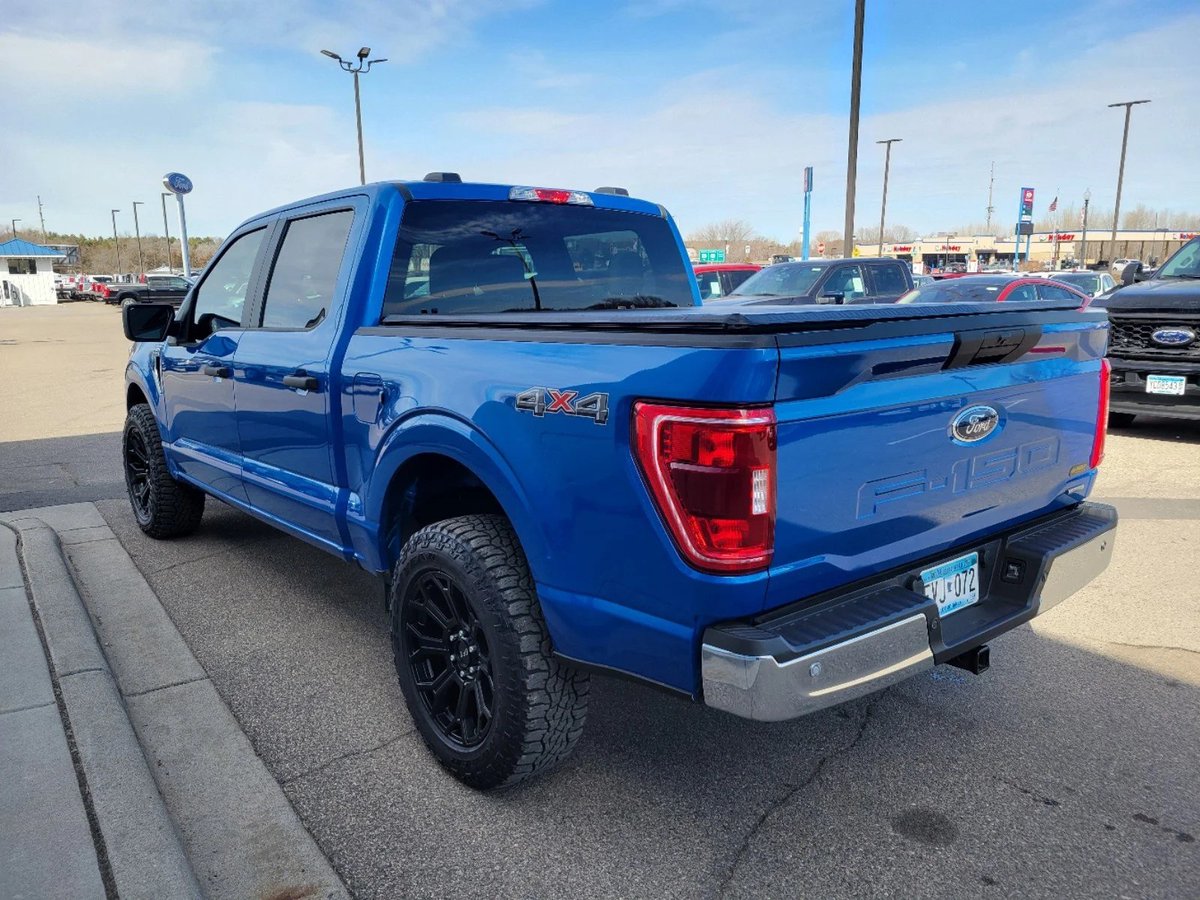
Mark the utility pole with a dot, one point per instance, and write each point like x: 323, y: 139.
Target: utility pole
x: 363, y: 66
x: 990, y: 208
x: 1087, y: 199
x: 116, y: 240
x: 860, y: 8
x: 887, y: 165
x: 1128, y: 104
x: 138, y: 231
x: 42, y: 218
x: 167, y: 232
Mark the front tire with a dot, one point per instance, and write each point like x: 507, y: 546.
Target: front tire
x: 163, y: 507
x: 473, y: 657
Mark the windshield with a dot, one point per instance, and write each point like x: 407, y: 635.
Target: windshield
x: 958, y: 290
x: 462, y: 257
x: 1185, y: 263
x: 1086, y: 283
x: 783, y: 280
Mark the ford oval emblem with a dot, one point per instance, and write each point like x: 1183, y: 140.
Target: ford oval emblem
x: 1173, y: 337
x: 974, y: 424
x: 177, y: 183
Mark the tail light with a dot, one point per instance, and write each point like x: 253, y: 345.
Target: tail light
x: 1102, y: 414
x: 550, y: 195
x: 711, y: 473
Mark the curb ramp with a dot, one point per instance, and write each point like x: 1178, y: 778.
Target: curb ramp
x: 144, y: 784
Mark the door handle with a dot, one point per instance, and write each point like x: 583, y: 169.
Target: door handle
x: 217, y: 371
x: 300, y: 382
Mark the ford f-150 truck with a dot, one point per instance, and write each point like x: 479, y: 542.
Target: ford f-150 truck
x: 509, y: 402
x: 1155, y: 343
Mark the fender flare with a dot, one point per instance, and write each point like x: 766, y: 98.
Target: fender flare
x: 443, y: 434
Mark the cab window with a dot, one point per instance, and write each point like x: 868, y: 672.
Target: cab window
x: 847, y: 281
x: 221, y: 297
x: 888, y: 279
x: 303, y: 279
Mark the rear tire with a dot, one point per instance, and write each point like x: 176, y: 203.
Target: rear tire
x: 473, y: 658
x: 163, y: 507
x: 1120, y: 420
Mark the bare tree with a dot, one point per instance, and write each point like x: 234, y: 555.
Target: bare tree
x: 729, y: 231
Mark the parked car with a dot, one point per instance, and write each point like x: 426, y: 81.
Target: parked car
x: 720, y: 279
x: 561, y: 461
x: 838, y: 281
x: 1091, y: 283
x: 1154, y: 340
x: 995, y: 289
x: 1118, y: 265
x: 156, y: 288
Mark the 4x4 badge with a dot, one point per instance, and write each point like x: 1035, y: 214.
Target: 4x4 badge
x: 540, y: 400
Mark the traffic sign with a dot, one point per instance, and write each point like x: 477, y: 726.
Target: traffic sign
x: 712, y: 256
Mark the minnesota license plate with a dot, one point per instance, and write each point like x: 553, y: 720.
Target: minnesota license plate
x: 1166, y: 384
x: 953, y: 585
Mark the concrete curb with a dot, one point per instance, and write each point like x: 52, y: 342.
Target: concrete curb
x: 140, y: 847
x: 232, y: 824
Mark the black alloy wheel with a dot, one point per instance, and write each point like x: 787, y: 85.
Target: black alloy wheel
x: 448, y: 654
x: 137, y: 474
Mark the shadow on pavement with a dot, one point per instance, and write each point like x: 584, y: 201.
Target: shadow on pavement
x: 60, y: 470
x: 1160, y: 428
x: 1060, y: 772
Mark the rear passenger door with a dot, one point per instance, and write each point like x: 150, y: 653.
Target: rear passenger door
x: 284, y: 383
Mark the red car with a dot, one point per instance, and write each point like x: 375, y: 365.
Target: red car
x: 719, y: 279
x: 997, y: 288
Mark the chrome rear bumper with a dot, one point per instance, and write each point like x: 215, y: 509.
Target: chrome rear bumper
x: 786, y: 679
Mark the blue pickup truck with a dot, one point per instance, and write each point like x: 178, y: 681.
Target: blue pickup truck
x: 509, y: 402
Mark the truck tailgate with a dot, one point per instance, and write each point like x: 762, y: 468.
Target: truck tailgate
x: 871, y: 473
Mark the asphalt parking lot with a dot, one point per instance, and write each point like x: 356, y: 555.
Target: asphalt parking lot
x: 1068, y: 769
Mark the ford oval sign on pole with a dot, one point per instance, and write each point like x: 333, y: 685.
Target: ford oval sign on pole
x: 179, y: 184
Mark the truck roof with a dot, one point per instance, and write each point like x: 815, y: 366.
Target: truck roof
x: 449, y: 190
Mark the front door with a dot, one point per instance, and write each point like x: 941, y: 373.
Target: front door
x: 196, y: 373
x: 285, y: 394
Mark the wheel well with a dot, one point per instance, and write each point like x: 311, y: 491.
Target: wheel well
x: 134, y: 396
x: 429, y: 488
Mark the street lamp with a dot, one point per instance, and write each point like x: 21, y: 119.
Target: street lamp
x: 1128, y: 104
x: 363, y: 65
x: 116, y: 240
x: 138, y: 232
x: 14, y: 227
x: 860, y: 8
x: 887, y: 163
x: 167, y: 231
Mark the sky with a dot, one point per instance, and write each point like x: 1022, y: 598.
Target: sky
x: 710, y: 107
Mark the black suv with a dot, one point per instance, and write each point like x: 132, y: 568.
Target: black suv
x: 1154, y: 340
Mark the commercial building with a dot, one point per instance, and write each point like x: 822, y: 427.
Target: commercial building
x: 27, y: 274
x: 979, y: 251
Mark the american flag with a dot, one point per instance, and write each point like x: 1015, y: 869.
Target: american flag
x: 1054, y: 204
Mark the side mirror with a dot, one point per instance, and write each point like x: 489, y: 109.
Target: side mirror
x: 832, y: 297
x: 1130, y: 272
x: 147, y: 322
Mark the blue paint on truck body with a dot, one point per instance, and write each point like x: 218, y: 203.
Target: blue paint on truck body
x: 869, y: 477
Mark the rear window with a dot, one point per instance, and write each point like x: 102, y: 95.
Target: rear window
x: 463, y: 257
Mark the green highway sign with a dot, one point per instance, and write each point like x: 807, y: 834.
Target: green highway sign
x: 712, y: 256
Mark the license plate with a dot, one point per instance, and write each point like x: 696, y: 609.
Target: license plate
x: 1166, y: 384
x: 953, y: 585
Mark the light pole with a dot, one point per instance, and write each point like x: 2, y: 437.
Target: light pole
x: 887, y: 163
x: 860, y: 8
x: 167, y: 232
x: 138, y: 232
x: 14, y: 227
x: 1128, y: 104
x: 116, y: 240
x: 1087, y: 199
x: 363, y: 65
